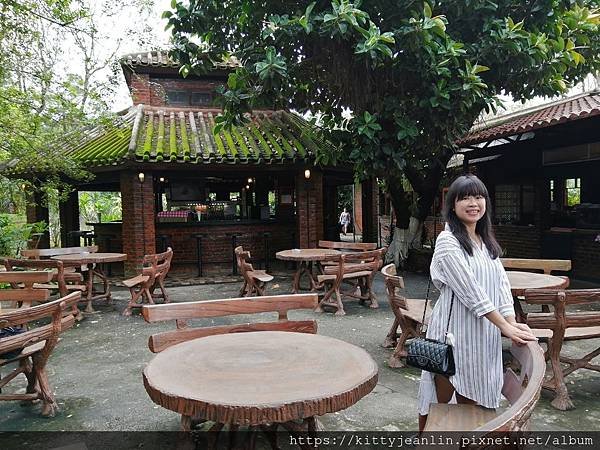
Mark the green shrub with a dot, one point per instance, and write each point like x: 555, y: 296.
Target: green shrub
x: 14, y: 233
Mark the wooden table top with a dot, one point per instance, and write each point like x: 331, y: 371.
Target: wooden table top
x: 306, y: 254
x: 260, y: 377
x: 90, y: 258
x: 521, y: 281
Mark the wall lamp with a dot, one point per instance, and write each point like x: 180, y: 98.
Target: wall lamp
x: 161, y: 179
x: 141, y: 177
x: 307, y: 174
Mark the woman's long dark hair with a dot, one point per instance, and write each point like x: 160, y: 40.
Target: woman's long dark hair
x: 463, y: 186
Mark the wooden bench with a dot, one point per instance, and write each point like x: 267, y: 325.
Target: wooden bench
x: 408, y: 316
x: 255, y: 281
x: 545, y: 265
x: 156, y: 267
x: 23, y: 294
x: 182, y: 312
x: 560, y: 325
x: 358, y: 266
x: 46, y: 253
x: 35, y: 345
x: 61, y: 281
x: 521, y: 388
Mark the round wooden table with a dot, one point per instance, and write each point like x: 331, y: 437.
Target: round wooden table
x: 259, y: 378
x: 93, y: 261
x: 305, y: 257
x: 521, y: 281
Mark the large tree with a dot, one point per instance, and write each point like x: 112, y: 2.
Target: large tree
x: 394, y: 82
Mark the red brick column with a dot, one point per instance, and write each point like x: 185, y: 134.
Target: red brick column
x: 37, y: 213
x: 138, y: 219
x: 309, y: 204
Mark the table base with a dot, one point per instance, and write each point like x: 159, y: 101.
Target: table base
x: 246, y: 438
x: 92, y: 295
x: 305, y: 267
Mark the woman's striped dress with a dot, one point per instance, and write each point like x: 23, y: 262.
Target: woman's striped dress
x: 480, y: 285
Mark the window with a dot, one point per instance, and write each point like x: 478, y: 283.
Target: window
x: 177, y: 97
x: 573, y: 191
x: 201, y: 99
x: 515, y: 203
x: 189, y: 98
x: 552, y: 191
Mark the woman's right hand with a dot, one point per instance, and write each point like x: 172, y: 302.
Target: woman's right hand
x: 518, y: 335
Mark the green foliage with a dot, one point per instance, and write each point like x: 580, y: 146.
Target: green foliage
x: 395, y: 83
x: 95, y: 206
x: 14, y: 233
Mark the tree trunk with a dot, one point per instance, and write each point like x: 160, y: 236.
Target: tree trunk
x: 408, y: 231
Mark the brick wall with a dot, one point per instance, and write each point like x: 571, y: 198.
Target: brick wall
x: 519, y: 241
x: 217, y: 243
x: 138, y: 231
x: 358, y: 209
x: 309, y: 204
x: 152, y: 91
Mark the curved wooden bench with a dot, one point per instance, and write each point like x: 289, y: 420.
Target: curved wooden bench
x: 408, y: 315
x: 545, y: 265
x: 522, y: 391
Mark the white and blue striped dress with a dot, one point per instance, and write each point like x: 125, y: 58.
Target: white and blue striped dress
x: 480, y: 285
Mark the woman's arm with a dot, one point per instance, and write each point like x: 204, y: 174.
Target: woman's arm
x: 509, y: 328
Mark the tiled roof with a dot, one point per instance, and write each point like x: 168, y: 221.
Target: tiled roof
x: 578, y: 107
x: 153, y: 134
x: 161, y: 58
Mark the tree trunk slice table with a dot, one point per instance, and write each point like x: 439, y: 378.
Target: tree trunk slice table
x: 259, y: 379
x: 91, y: 259
x: 521, y: 281
x: 305, y: 257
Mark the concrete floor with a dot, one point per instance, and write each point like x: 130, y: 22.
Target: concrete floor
x: 96, y: 372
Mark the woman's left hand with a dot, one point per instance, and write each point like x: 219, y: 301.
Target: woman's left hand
x: 523, y: 326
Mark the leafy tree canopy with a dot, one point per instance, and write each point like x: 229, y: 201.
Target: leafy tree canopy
x: 414, y: 75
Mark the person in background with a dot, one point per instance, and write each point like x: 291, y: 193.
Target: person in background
x: 467, y: 270
x: 345, y: 221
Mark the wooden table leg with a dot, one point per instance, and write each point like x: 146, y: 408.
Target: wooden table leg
x: 519, y: 313
x: 89, y: 284
x: 106, y: 285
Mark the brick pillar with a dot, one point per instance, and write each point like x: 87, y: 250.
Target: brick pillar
x: 370, y: 210
x: 37, y: 213
x: 138, y: 219
x: 309, y: 203
x: 357, y: 214
x: 69, y: 217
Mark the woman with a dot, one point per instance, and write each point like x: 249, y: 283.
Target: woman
x: 345, y: 221
x: 466, y: 262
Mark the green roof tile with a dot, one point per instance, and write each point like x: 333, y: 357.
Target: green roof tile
x: 154, y: 134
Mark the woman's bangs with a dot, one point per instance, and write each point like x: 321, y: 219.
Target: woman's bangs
x: 471, y: 186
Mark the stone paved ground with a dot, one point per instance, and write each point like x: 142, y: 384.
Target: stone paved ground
x: 96, y: 372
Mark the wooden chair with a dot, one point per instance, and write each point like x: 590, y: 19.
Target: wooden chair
x: 255, y: 281
x: 560, y: 325
x: 360, y: 267
x: 61, y: 281
x: 156, y: 267
x: 545, y: 265
x: 36, y: 345
x: 408, y: 315
x: 522, y: 392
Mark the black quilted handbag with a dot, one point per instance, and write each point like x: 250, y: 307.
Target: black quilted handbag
x: 432, y: 355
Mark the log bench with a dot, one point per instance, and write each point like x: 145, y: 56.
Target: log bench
x: 547, y: 266
x: 560, y: 325
x: 521, y: 388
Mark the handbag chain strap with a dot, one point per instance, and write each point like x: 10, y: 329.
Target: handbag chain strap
x: 449, y: 313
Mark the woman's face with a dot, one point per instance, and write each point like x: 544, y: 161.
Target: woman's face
x: 470, y: 208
